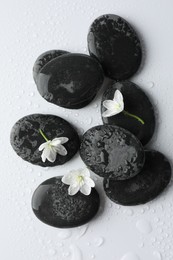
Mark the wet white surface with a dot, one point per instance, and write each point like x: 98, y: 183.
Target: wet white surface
x: 29, y: 28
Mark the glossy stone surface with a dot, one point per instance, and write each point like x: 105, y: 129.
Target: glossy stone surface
x: 111, y: 151
x: 53, y: 206
x: 136, y: 102
x: 26, y: 139
x: 148, y: 184
x: 70, y: 81
x: 113, y: 41
x: 44, y: 58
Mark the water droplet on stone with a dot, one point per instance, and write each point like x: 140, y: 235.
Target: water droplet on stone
x: 144, y: 226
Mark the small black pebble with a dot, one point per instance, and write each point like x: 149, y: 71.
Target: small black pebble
x: 53, y: 206
x: 26, y: 139
x: 113, y: 42
x: 71, y: 80
x: 44, y: 58
x: 137, y: 103
x: 111, y: 151
x: 147, y: 185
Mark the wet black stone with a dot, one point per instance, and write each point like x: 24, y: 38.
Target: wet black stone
x: 26, y: 139
x: 70, y: 81
x: 44, y: 58
x: 111, y: 151
x: 53, y: 206
x: 113, y: 41
x: 136, y: 102
x: 147, y: 185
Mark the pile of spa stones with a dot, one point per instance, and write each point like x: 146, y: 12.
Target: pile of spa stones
x: 115, y: 150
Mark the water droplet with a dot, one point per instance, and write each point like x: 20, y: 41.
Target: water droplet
x: 92, y: 256
x: 76, y: 114
x: 99, y: 241
x: 66, y: 254
x: 150, y: 84
x: 52, y: 252
x: 82, y: 231
x: 31, y: 94
x: 59, y: 244
x: 76, y: 253
x: 141, y: 245
x: 130, y: 256
x: 129, y: 212
x: 144, y: 226
x: 157, y: 255
x: 64, y: 234
x: 89, y: 121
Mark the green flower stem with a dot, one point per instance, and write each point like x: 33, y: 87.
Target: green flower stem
x: 45, y: 138
x: 134, y: 116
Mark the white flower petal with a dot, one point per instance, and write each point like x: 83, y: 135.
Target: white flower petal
x: 61, y: 150
x: 73, y: 189
x: 43, y: 156
x: 89, y: 182
x: 59, y: 140
x: 50, y: 154
x: 118, y: 96
x: 42, y: 146
x: 109, y: 113
x: 85, y: 189
x: 109, y: 104
x: 67, y: 179
x: 55, y: 142
x: 85, y: 172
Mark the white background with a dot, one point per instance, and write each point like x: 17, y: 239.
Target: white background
x: 28, y: 28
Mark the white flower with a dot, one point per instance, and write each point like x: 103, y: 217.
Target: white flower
x: 114, y: 106
x: 79, y: 180
x: 52, y: 148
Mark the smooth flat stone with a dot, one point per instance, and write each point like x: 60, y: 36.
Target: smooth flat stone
x: 26, y: 139
x: 71, y: 80
x: 43, y: 59
x: 53, y: 206
x: 114, y: 42
x: 136, y: 102
x: 111, y: 151
x: 147, y: 185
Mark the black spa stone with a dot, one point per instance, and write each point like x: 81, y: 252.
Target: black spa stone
x: 111, y: 151
x: 44, y: 58
x: 26, y: 139
x: 53, y: 206
x: 71, y: 80
x: 114, y: 42
x: 136, y: 102
x: 147, y: 185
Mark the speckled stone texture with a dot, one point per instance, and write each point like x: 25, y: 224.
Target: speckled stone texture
x: 43, y: 59
x: 113, y: 41
x: 135, y: 102
x: 26, y: 139
x: 111, y: 151
x: 71, y: 80
x: 148, y: 184
x: 53, y: 206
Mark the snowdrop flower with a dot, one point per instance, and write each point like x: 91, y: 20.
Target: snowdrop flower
x: 79, y: 180
x: 52, y: 147
x: 116, y: 106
